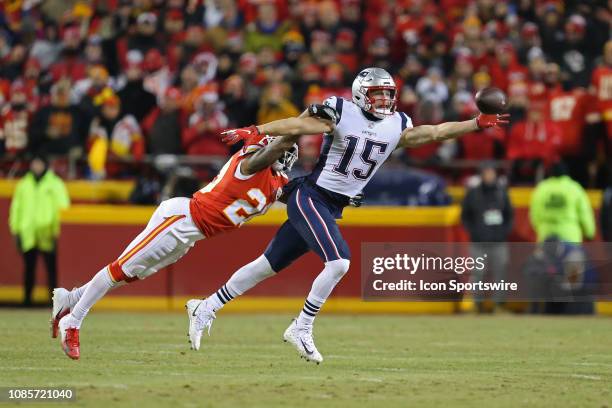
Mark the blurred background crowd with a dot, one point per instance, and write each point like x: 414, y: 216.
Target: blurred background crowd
x: 105, y: 86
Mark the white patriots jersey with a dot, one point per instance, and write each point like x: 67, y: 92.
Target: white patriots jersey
x: 355, y: 150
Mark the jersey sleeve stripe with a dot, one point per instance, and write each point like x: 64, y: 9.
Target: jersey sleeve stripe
x: 169, y: 221
x: 238, y: 173
x: 314, y: 233
x: 404, y: 120
x: 339, y: 105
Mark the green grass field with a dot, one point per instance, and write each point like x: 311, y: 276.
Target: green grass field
x: 130, y: 359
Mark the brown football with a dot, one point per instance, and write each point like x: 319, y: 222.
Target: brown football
x: 491, y: 100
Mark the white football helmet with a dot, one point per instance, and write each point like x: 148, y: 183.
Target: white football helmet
x: 284, y: 163
x: 287, y: 160
x: 371, y: 79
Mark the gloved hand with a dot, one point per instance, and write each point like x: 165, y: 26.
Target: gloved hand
x: 233, y: 136
x: 323, y: 112
x: 486, y: 121
x: 357, y: 200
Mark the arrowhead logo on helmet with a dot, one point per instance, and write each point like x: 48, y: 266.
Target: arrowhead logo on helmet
x: 375, y: 92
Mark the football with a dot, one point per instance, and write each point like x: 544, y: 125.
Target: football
x: 491, y: 101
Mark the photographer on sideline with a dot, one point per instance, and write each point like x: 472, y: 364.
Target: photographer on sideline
x: 487, y: 215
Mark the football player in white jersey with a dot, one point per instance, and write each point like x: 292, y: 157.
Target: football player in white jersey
x: 359, y: 135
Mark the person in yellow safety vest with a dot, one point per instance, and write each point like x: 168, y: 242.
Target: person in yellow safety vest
x: 34, y: 221
x: 560, y: 207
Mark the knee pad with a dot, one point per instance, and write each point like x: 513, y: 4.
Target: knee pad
x: 339, y: 267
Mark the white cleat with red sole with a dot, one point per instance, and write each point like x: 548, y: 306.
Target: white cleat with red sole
x: 69, y: 338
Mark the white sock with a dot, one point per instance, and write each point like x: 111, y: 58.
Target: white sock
x: 75, y: 294
x: 97, y: 287
x: 242, y: 280
x: 321, y: 289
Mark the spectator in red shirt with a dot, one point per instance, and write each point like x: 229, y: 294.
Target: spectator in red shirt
x: 601, y: 87
x: 333, y: 82
x: 345, y: 49
x: 533, y: 145
x: 505, y: 68
x: 570, y: 111
x: 70, y: 64
x: 205, y: 124
x: 14, y: 121
x: 32, y: 83
x: 158, y: 75
x: 482, y: 145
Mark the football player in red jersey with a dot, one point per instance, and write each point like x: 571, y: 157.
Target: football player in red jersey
x: 245, y: 187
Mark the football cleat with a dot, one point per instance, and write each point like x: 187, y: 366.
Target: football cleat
x: 61, y: 308
x: 69, y: 338
x: 201, y: 317
x: 302, y: 340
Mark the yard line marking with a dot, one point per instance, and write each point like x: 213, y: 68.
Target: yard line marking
x: 587, y: 377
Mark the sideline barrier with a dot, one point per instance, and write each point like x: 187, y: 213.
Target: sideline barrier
x: 94, y: 235
x: 118, y: 191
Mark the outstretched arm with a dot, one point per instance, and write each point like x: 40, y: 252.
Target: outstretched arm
x: 296, y: 126
x: 268, y: 155
x: 420, y: 135
x: 314, y: 120
x: 302, y: 125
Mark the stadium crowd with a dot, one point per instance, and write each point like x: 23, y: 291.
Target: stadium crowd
x: 125, y: 78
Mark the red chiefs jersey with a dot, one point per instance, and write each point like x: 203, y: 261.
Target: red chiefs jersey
x: 569, y: 111
x: 534, y: 140
x: 602, y: 82
x: 231, y: 199
x: 13, y: 129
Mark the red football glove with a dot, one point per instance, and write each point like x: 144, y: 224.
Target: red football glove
x: 486, y: 121
x: 233, y: 136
